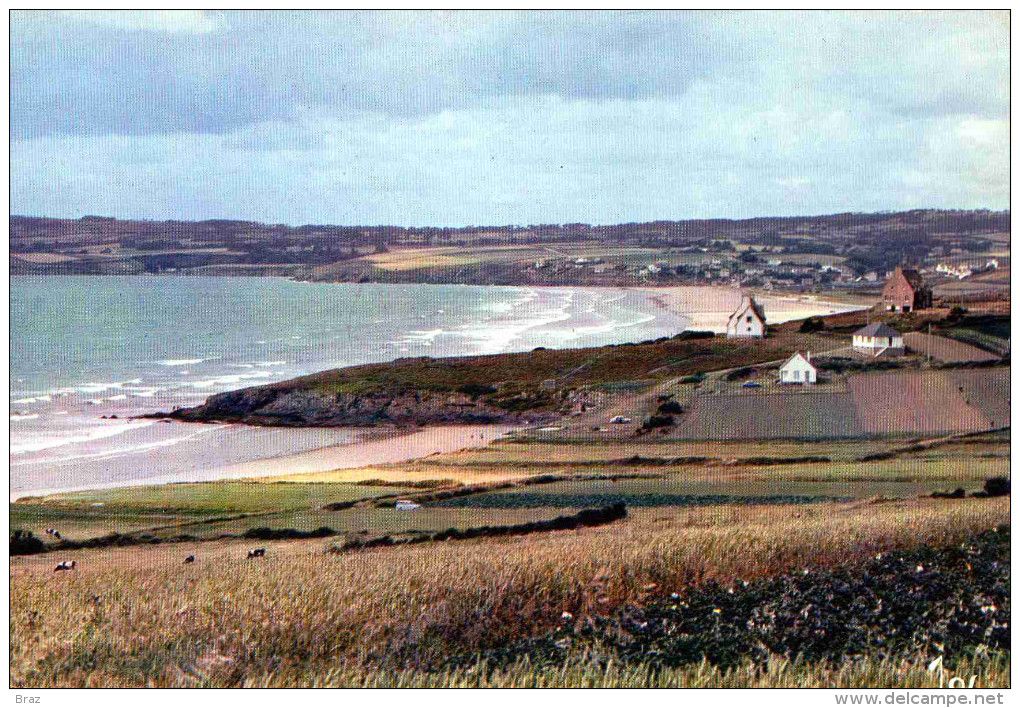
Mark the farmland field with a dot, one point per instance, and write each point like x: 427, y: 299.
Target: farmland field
x: 931, y: 402
x: 212, y: 497
x: 897, y: 403
x: 944, y: 349
x: 413, y: 609
x: 781, y: 415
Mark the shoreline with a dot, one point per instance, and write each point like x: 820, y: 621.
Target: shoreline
x: 375, y: 446
x: 691, y: 307
x: 708, y: 307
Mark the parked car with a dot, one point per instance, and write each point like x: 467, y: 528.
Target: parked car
x: 750, y: 384
x: 619, y: 419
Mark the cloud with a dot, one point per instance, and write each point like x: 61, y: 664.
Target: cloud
x: 458, y: 118
x: 170, y: 21
x: 526, y: 160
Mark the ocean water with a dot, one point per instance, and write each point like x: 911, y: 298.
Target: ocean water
x: 87, y: 353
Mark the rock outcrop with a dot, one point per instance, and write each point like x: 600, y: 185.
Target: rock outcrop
x: 278, y: 406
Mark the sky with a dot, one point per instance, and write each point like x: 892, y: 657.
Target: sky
x: 495, y: 118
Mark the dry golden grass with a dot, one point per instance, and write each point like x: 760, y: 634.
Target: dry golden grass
x: 444, y: 256
x: 299, y: 614
x: 905, y: 672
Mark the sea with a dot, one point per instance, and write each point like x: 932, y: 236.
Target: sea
x: 89, y: 353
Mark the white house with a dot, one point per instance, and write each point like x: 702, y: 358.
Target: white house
x: 879, y: 339
x: 747, y: 321
x: 798, y: 369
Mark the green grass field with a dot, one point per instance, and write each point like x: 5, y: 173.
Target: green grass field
x: 212, y: 497
x: 209, y: 510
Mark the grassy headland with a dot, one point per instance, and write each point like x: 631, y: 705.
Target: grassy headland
x: 536, y: 385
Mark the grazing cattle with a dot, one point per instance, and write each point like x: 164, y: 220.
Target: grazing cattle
x: 190, y: 559
x: 257, y: 553
x: 56, y: 535
x: 65, y: 565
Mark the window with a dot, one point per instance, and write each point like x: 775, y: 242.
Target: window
x: 748, y: 318
x: 796, y: 375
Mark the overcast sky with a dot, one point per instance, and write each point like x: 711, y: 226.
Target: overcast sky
x: 505, y: 118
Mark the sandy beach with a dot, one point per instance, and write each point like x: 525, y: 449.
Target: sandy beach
x: 708, y: 308
x: 359, y: 448
x: 73, y: 448
x: 358, y: 461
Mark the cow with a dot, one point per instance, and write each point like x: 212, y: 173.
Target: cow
x: 257, y: 553
x: 65, y: 565
x: 190, y: 559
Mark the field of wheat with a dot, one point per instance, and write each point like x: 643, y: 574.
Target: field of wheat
x: 138, y: 616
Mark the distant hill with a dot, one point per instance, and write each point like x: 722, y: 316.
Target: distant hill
x: 496, y: 254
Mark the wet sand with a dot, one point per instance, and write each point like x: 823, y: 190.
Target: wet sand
x: 357, y: 448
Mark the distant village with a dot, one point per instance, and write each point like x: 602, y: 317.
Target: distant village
x: 772, y: 269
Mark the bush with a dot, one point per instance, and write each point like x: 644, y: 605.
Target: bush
x: 264, y: 533
x: 812, y: 324
x: 997, y: 486
x: 694, y: 334
x: 23, y: 543
x: 475, y: 390
x: 742, y: 373
x: 671, y: 408
x: 693, y: 378
x: 658, y: 421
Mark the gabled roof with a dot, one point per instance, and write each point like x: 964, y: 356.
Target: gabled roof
x: 795, y: 356
x: 877, y: 329
x: 747, y: 303
x: 912, y: 276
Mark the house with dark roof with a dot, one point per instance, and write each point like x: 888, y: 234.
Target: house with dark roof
x: 748, y: 320
x: 879, y: 339
x: 905, y: 291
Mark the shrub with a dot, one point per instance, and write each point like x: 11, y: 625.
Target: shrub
x: 657, y: 421
x: 694, y: 334
x: 475, y: 390
x: 671, y: 408
x: 997, y: 486
x: 23, y: 543
x: 812, y: 324
x: 264, y: 533
x: 693, y: 378
x: 742, y: 373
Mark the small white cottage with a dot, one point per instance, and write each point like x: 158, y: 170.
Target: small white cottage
x: 798, y: 369
x: 748, y: 320
x: 879, y: 339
